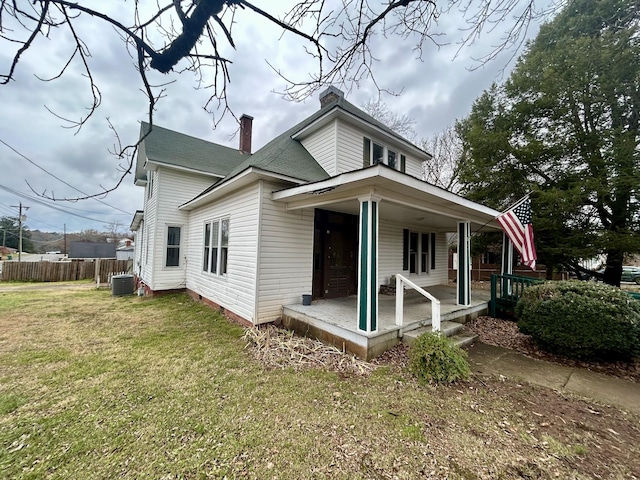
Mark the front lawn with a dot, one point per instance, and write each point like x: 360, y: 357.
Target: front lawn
x: 95, y: 386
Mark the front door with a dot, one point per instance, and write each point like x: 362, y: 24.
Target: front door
x: 335, y: 253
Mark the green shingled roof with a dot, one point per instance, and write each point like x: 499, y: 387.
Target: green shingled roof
x: 283, y: 155
x: 179, y: 150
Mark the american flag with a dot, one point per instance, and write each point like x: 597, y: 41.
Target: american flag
x: 516, y: 223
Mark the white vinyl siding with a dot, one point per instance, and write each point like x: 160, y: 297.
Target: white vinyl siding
x: 322, y: 147
x: 234, y: 291
x: 176, y: 188
x: 148, y: 240
x: 349, y: 148
x: 390, y: 255
x: 138, y: 249
x: 413, y: 167
x: 286, y: 256
x: 350, y: 151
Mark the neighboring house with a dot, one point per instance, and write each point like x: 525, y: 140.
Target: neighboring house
x: 125, y: 253
x: 334, y: 207
x: 92, y: 250
x: 7, y: 251
x: 125, y: 249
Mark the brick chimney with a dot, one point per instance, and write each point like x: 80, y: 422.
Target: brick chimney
x: 330, y: 95
x: 246, y: 123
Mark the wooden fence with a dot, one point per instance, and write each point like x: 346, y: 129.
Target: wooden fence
x: 63, y: 271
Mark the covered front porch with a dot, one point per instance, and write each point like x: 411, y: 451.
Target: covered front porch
x: 378, y: 227
x: 333, y: 320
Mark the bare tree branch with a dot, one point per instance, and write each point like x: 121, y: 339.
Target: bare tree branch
x: 339, y: 36
x: 443, y: 168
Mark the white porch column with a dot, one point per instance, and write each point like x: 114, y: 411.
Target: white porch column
x: 464, y: 263
x: 368, y: 265
x: 507, y: 256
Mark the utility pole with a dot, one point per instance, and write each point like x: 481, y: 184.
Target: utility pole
x: 65, y: 238
x: 21, y: 218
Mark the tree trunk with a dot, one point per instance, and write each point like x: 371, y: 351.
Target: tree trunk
x: 549, y: 272
x: 613, y: 271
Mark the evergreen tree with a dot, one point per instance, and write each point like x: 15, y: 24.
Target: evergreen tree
x: 565, y: 127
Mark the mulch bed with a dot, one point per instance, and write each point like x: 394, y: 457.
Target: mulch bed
x: 505, y: 333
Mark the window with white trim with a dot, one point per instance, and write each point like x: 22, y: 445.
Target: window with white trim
x: 375, y: 152
x: 173, y: 246
x: 216, y: 246
x: 418, y: 252
x: 150, y: 185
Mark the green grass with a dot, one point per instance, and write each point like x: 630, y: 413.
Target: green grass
x: 95, y: 386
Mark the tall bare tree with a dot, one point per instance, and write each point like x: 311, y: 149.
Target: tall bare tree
x: 443, y: 168
x: 401, y: 124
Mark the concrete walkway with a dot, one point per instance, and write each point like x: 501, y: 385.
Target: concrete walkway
x: 487, y: 359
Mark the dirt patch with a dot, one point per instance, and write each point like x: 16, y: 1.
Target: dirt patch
x: 505, y: 333
x: 593, y: 440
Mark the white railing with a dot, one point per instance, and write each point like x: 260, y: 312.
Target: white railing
x: 435, y: 303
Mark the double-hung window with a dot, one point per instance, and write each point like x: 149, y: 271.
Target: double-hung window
x: 216, y: 246
x: 173, y: 246
x: 149, y: 185
x: 374, y: 152
x: 418, y: 252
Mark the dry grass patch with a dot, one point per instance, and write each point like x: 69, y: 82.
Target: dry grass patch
x: 278, y: 348
x: 95, y: 386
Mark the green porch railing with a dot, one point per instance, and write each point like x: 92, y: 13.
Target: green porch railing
x: 506, y: 290
x: 635, y: 295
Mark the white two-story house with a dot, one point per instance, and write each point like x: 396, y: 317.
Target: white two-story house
x: 333, y: 208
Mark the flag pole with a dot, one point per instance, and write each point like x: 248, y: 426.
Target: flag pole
x: 523, y: 199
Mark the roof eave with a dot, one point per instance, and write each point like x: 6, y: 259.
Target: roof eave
x: 244, y: 178
x: 154, y: 164
x: 399, y: 178
x: 138, y: 217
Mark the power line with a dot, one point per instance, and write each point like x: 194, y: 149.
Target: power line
x: 33, y: 199
x: 58, y: 178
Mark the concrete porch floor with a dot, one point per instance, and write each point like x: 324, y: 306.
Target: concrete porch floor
x: 335, y: 320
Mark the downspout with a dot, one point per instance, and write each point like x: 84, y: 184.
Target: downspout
x: 256, y: 300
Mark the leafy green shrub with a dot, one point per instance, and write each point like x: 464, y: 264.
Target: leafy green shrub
x: 433, y: 358
x: 585, y: 320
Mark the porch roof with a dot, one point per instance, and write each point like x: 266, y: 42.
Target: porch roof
x: 404, y: 198
x: 137, y: 220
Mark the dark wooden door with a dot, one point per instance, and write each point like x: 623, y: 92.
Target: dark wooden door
x: 335, y: 253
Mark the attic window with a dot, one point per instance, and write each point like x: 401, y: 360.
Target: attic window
x: 374, y: 152
x: 391, y: 158
x: 378, y: 154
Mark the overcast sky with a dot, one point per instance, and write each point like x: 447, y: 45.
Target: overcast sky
x: 435, y: 92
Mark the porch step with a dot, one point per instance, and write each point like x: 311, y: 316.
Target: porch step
x: 464, y: 339
x: 450, y: 330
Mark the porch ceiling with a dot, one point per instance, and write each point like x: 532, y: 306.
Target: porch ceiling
x: 405, y: 199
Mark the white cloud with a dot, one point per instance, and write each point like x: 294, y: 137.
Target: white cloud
x: 435, y: 91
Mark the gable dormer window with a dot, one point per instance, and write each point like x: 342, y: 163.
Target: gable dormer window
x: 374, y: 152
x: 378, y: 154
x: 391, y: 159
